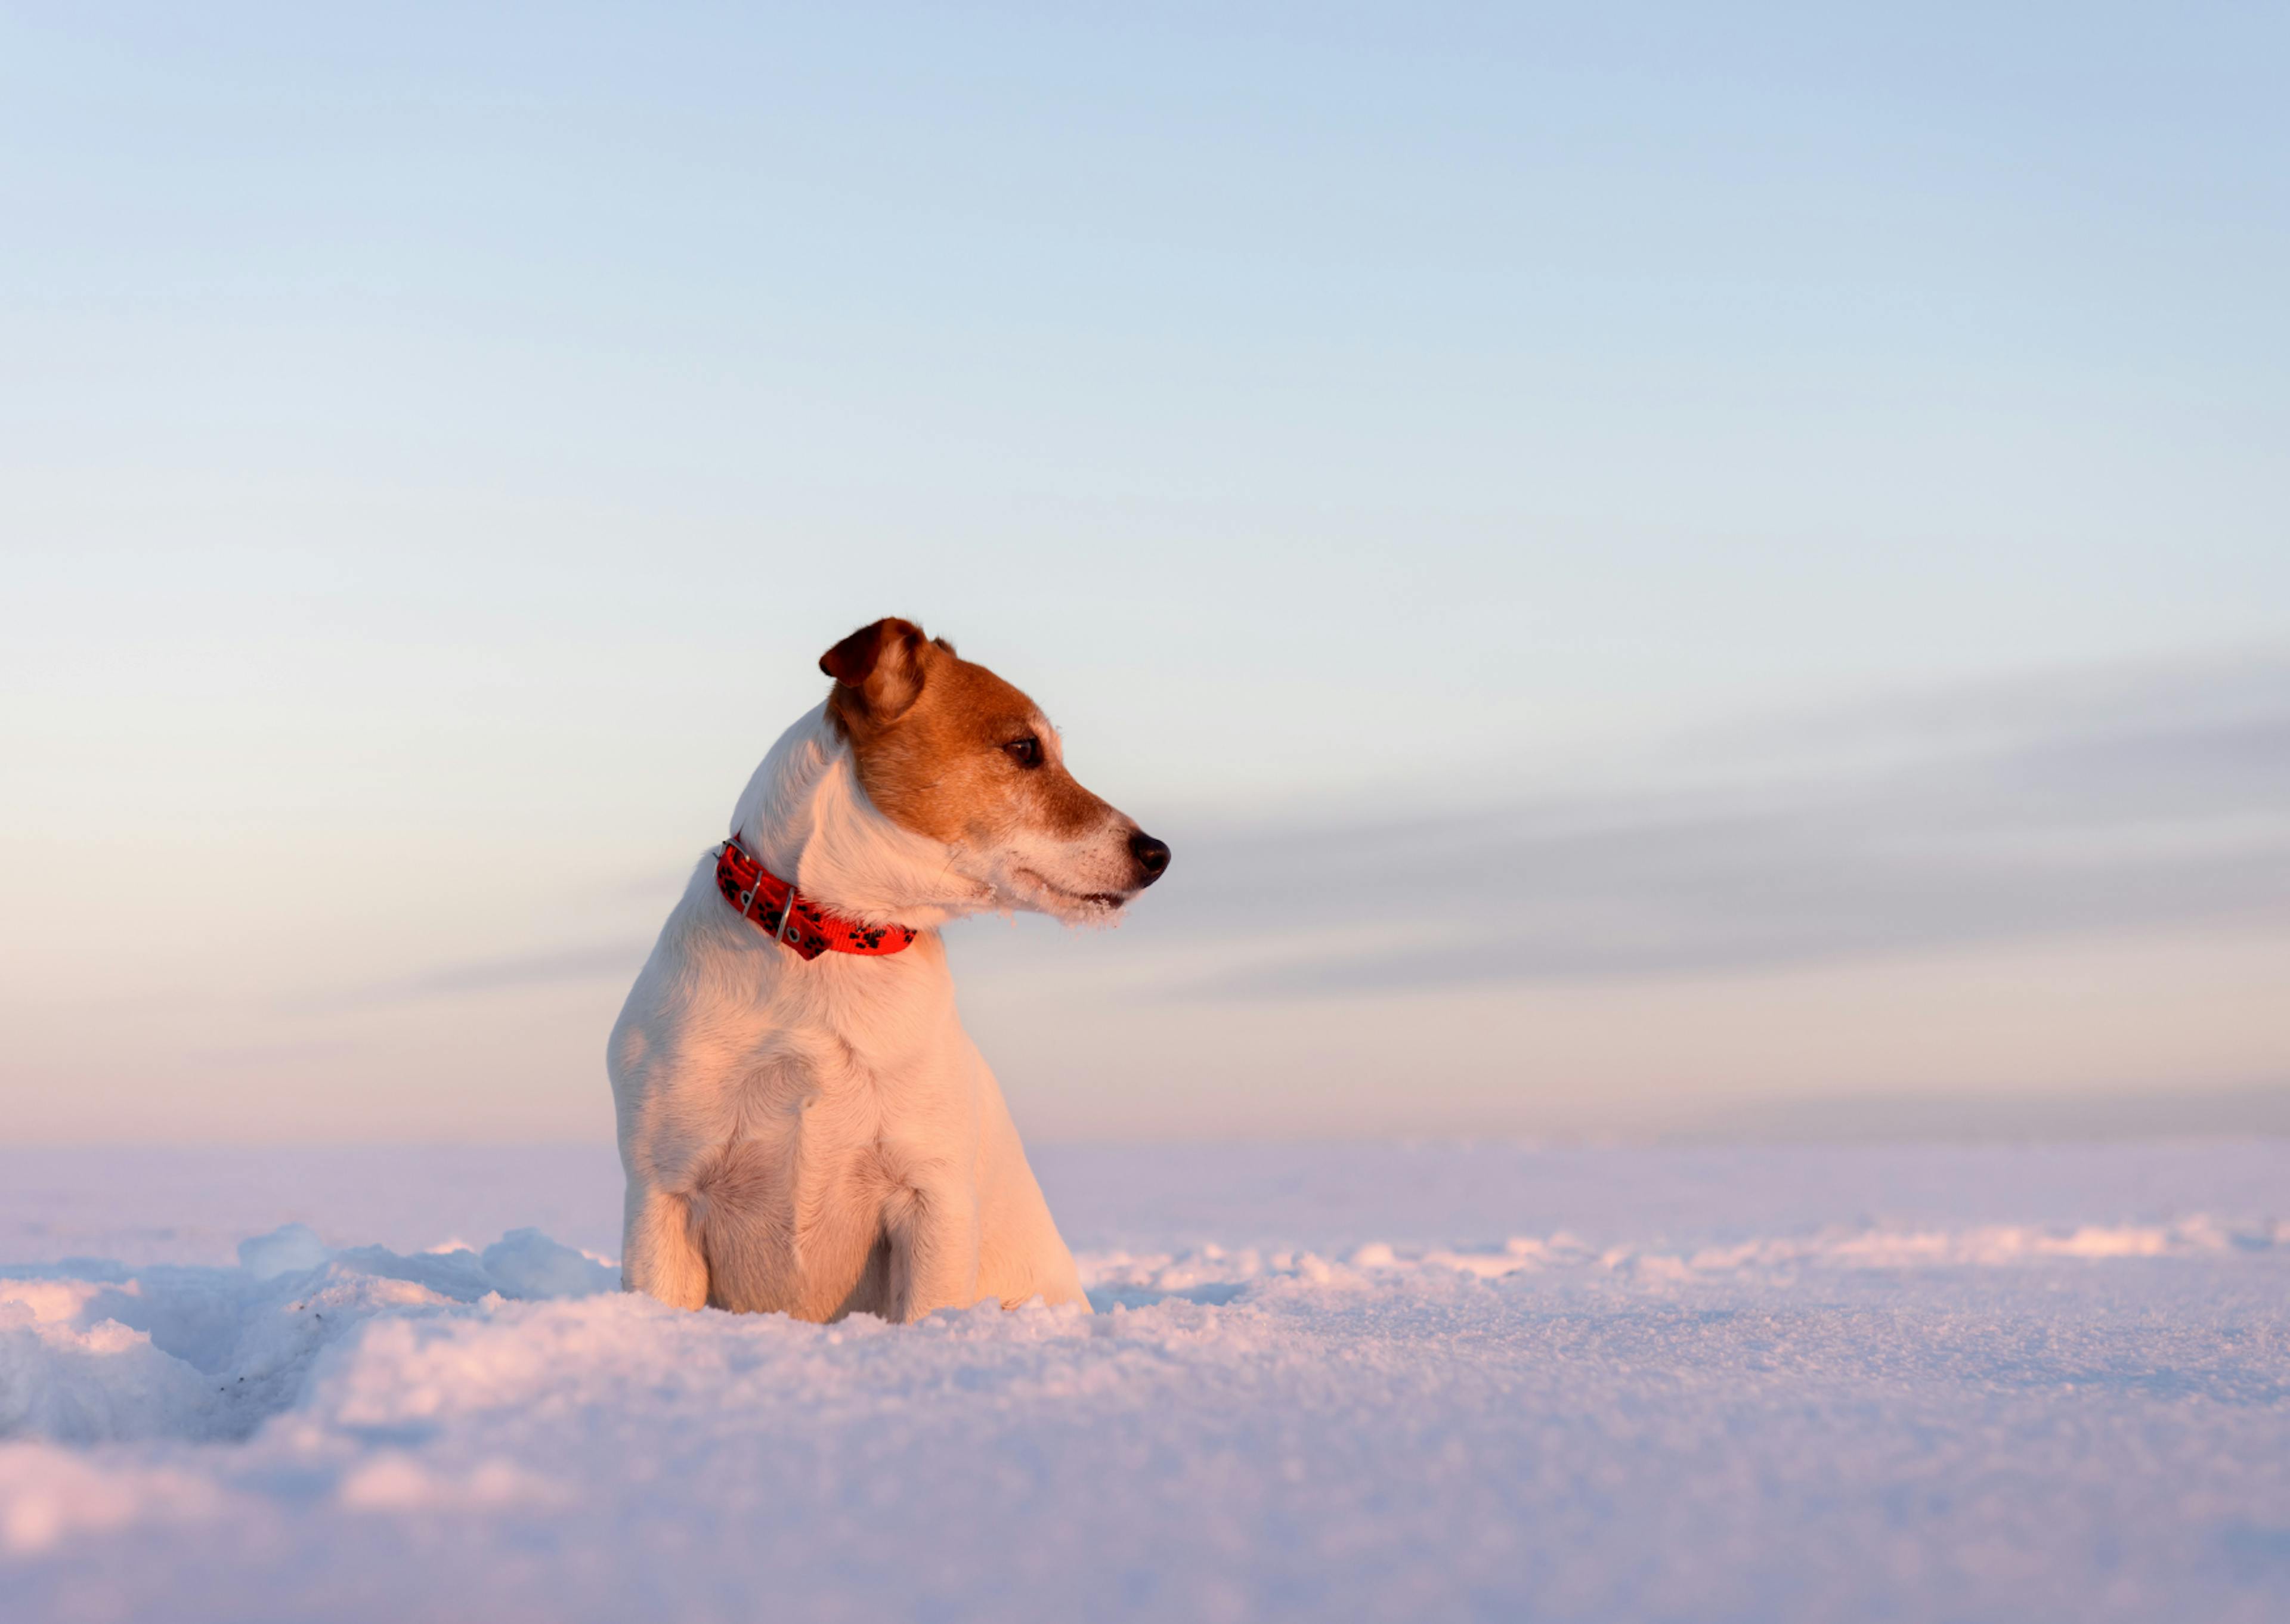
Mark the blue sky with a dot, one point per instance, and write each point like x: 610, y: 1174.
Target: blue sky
x: 434, y: 449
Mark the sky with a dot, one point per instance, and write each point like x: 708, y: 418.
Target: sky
x: 1658, y: 569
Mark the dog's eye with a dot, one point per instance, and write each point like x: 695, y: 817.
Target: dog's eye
x: 1026, y: 752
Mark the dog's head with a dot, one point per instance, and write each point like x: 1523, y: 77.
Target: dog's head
x: 948, y: 750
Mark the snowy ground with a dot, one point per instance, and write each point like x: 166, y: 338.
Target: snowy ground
x: 1404, y: 1384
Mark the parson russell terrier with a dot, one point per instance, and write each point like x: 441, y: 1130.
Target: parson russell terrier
x: 805, y: 1125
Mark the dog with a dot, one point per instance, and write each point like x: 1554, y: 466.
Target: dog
x: 805, y: 1126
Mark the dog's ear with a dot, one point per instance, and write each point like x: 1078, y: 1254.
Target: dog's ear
x: 880, y: 667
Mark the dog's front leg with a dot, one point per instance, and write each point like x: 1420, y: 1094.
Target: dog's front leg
x: 934, y: 1235
x: 660, y: 1254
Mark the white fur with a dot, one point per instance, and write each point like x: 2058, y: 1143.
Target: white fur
x: 822, y: 1137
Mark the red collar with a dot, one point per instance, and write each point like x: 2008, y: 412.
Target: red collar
x: 763, y: 897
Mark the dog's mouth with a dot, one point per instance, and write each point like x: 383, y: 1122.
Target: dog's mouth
x: 1084, y: 902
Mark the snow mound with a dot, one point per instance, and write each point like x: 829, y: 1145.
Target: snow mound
x: 1212, y: 1275
x: 211, y: 1353
x: 1699, y: 1407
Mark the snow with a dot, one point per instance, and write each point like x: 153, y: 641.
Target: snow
x: 1402, y: 1383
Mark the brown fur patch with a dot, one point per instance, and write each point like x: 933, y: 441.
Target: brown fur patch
x: 928, y: 730
x: 879, y: 665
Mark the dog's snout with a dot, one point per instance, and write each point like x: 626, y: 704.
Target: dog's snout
x: 1152, y: 856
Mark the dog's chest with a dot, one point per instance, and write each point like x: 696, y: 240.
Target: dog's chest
x: 820, y: 1101
x: 815, y: 1158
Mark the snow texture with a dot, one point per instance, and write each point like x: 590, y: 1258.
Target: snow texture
x: 1337, y: 1383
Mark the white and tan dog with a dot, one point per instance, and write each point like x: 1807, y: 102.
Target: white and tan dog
x: 804, y: 1124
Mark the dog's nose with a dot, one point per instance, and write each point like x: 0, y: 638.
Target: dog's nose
x: 1152, y: 855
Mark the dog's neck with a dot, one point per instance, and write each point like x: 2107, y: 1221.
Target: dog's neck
x: 804, y: 817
